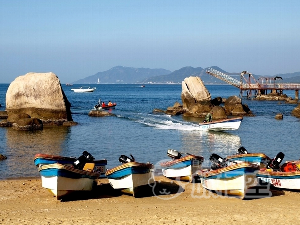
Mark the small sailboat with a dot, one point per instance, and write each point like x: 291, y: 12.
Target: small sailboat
x: 233, y: 180
x: 181, y: 167
x: 131, y: 176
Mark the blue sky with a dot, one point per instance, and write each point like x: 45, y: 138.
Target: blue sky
x: 76, y: 38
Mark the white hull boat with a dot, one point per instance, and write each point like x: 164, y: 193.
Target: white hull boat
x: 220, y: 125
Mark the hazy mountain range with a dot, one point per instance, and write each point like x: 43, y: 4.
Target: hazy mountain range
x: 130, y: 75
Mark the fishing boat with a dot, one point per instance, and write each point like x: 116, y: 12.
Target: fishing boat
x: 46, y: 159
x: 64, y: 175
x: 101, y: 105
x: 221, y: 125
x: 82, y: 89
x: 232, y: 180
x: 181, y: 167
x: 286, y: 176
x: 130, y: 177
x: 62, y: 180
x: 243, y: 155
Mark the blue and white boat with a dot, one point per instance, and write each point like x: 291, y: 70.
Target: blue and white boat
x: 46, y: 159
x: 62, y: 180
x: 286, y: 176
x: 130, y: 177
x: 221, y: 125
x: 182, y: 168
x: 233, y: 180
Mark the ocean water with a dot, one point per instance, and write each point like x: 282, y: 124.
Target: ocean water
x: 147, y: 136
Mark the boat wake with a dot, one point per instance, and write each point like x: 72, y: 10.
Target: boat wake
x: 164, y: 122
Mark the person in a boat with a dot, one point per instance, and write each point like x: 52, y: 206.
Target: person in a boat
x: 109, y: 103
x: 103, y: 104
x: 208, y: 118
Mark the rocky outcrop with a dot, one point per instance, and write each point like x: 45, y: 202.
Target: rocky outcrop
x: 2, y: 157
x: 234, y: 107
x: 37, y: 97
x: 296, y: 111
x: 100, y: 113
x: 3, y: 115
x: 279, y: 116
x: 274, y: 97
x: 196, y: 102
x: 193, y: 91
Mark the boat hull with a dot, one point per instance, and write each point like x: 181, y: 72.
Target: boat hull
x: 46, y: 159
x: 255, y: 158
x: 232, y: 180
x: 184, y: 168
x: 282, y: 180
x: 80, y: 90
x: 62, y: 180
x: 221, y: 125
x: 131, y: 177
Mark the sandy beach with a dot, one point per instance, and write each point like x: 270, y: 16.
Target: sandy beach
x: 24, y: 201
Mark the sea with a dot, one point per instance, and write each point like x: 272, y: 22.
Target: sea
x: 136, y: 130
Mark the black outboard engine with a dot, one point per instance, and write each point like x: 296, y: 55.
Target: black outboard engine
x: 274, y: 163
x: 174, y: 154
x: 242, y: 150
x: 217, y: 161
x: 126, y: 159
x: 82, y: 160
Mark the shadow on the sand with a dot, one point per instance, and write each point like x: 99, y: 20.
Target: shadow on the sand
x: 158, y: 188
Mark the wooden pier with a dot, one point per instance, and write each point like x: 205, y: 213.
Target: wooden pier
x: 253, y: 87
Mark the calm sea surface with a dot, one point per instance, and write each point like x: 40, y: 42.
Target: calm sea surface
x: 136, y: 130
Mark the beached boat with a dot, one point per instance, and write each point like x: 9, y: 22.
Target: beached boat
x: 82, y: 89
x: 130, y: 177
x: 286, y: 176
x: 243, y: 156
x: 181, y: 167
x: 46, y: 159
x: 220, y: 125
x: 62, y: 180
x: 233, y: 180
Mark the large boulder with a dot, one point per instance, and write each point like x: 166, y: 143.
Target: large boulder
x: 39, y: 96
x: 233, y: 106
x: 193, y: 91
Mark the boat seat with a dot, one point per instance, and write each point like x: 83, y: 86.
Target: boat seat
x: 89, y: 166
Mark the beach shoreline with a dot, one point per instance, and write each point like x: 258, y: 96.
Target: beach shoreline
x: 24, y: 201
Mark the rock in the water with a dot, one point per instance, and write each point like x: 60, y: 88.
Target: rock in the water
x: 3, y: 115
x: 2, y: 157
x: 193, y: 91
x: 279, y: 116
x: 28, y: 124
x: 296, y: 111
x: 40, y: 96
x: 99, y: 113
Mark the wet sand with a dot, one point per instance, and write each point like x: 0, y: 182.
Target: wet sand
x: 24, y: 201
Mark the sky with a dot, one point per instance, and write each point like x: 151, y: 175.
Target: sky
x: 75, y: 39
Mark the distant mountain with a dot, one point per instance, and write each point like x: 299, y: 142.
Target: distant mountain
x: 130, y: 75
x: 179, y: 75
x: 123, y: 75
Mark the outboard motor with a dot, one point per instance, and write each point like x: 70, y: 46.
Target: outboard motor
x: 217, y: 161
x: 126, y: 159
x: 242, y: 150
x: 274, y: 163
x: 82, y: 160
x: 174, y: 154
